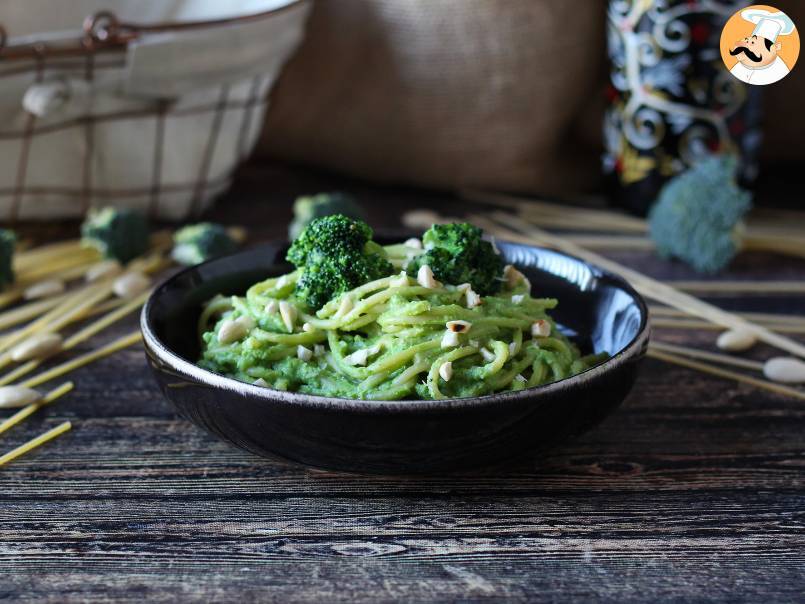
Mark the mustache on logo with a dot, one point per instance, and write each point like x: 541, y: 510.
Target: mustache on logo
x: 743, y: 49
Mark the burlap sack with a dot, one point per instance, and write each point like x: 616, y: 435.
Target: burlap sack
x: 447, y: 93
x: 504, y: 94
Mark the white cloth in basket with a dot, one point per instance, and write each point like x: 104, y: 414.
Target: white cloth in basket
x: 158, y: 124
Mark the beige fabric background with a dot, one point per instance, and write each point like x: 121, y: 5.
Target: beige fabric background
x: 504, y: 94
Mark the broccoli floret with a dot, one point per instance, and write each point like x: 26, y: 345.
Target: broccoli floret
x: 8, y: 240
x: 456, y: 253
x: 306, y: 208
x: 118, y: 233
x: 697, y: 215
x: 335, y: 254
x: 198, y: 243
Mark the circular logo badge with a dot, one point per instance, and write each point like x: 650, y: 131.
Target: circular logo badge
x: 760, y: 45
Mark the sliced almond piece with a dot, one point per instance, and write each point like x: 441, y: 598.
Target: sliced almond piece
x: 425, y: 278
x: 414, y: 243
x: 473, y: 299
x: 446, y: 370
x: 359, y: 357
x: 272, y: 307
x: 288, y: 314
x: 231, y: 330
x: 450, y: 339
x: 540, y: 329
x: 458, y: 326
x: 303, y: 353
x: 260, y: 382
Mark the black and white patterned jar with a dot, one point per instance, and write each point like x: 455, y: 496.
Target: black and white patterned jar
x: 671, y: 100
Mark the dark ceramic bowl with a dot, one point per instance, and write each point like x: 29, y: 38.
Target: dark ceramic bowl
x: 599, y: 310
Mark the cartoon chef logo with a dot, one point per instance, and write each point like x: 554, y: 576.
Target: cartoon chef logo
x: 760, y: 45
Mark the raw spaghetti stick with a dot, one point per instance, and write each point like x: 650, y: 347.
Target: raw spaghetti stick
x: 41, y: 253
x: 741, y: 287
x: 725, y: 373
x: 699, y: 324
x: 34, y: 443
x: 17, y: 291
x: 30, y: 310
x: 25, y: 412
x: 647, y: 286
x: 80, y: 303
x: 57, y: 267
x: 786, y: 319
x: 86, y: 359
x: 79, y: 337
x: 704, y: 355
x: 62, y: 315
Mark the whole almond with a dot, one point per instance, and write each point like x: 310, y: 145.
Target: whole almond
x: 17, y: 396
x: 38, y: 346
x: 103, y: 270
x: 736, y: 340
x: 129, y: 284
x: 44, y: 289
x: 787, y: 370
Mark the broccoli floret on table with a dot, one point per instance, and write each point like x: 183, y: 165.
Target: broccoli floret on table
x: 698, y: 213
x: 8, y: 241
x: 457, y: 253
x: 117, y: 233
x: 309, y: 207
x: 336, y: 254
x: 198, y: 243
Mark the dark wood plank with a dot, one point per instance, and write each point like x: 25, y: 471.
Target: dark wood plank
x: 694, y: 489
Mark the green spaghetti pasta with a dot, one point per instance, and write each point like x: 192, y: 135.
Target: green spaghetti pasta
x: 395, y: 337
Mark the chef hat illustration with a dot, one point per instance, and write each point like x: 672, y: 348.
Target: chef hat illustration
x: 768, y: 25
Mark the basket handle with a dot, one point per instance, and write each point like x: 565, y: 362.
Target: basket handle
x: 167, y: 60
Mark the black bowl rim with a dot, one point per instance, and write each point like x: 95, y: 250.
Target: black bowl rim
x: 186, y: 369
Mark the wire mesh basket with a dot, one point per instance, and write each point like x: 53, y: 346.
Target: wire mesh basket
x: 153, y: 114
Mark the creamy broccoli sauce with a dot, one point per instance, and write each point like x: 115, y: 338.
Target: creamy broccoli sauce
x: 401, y: 327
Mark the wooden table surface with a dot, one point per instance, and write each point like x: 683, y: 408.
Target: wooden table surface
x: 694, y: 489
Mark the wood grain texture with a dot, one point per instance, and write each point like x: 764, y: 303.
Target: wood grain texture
x: 694, y: 489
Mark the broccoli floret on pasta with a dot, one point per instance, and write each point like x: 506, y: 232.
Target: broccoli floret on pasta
x: 117, y: 233
x: 8, y: 241
x: 457, y: 253
x: 335, y: 254
x: 698, y: 214
x: 310, y: 207
x: 198, y: 243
